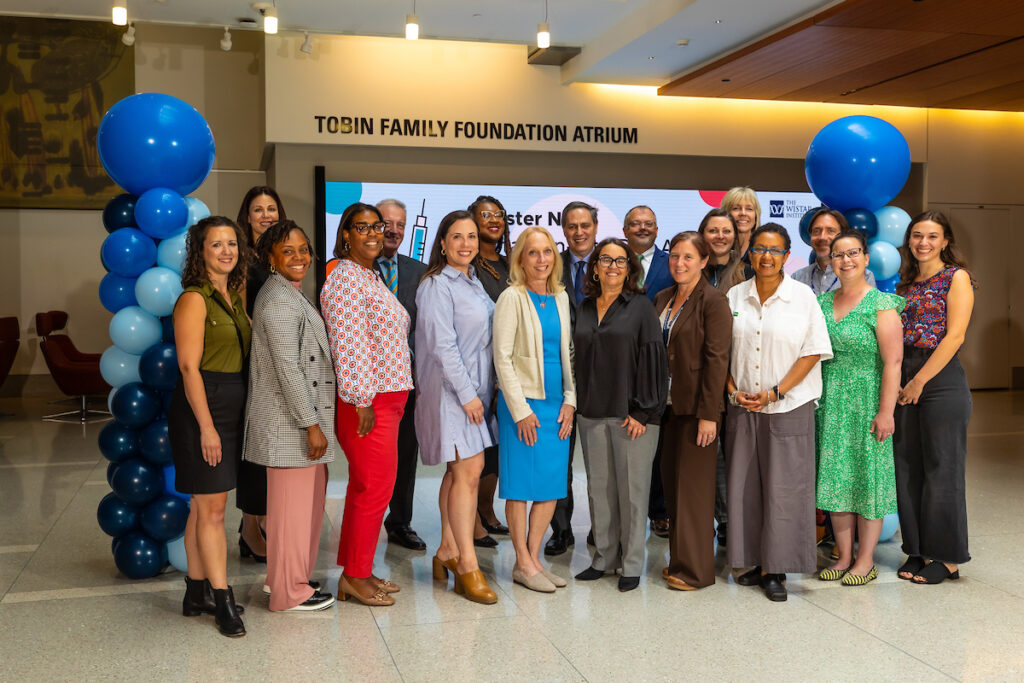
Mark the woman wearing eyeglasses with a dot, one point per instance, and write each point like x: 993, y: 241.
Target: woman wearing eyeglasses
x: 369, y: 331
x: 622, y: 386
x: 778, y: 339
x: 856, y: 472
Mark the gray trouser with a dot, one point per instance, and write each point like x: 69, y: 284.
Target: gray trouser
x: 619, y: 485
x: 770, y: 463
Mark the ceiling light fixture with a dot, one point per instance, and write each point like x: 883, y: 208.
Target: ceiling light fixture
x: 225, y: 41
x: 119, y: 13
x: 269, y: 13
x: 412, y: 24
x: 544, y: 30
x: 129, y: 36
x: 307, y: 44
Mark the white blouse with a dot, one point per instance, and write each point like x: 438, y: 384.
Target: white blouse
x: 768, y: 339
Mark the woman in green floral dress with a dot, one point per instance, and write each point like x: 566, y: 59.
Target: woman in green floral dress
x: 856, y: 479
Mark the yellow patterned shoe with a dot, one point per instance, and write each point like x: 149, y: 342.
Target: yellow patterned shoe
x: 832, y: 574
x: 854, y: 580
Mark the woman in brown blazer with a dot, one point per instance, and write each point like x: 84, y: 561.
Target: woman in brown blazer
x: 696, y: 323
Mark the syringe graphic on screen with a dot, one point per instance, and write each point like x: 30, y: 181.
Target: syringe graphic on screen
x: 419, y: 234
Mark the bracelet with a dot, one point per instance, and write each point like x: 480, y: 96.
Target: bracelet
x: 732, y: 398
x: 778, y: 393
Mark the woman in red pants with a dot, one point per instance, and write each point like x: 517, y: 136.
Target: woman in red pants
x: 369, y: 331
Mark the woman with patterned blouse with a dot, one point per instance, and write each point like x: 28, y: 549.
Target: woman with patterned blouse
x: 854, y: 420
x: 930, y: 445
x: 369, y: 333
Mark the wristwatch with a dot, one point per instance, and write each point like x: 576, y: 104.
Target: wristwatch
x: 778, y: 393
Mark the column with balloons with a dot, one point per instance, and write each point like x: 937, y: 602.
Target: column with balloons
x: 857, y: 165
x: 159, y: 149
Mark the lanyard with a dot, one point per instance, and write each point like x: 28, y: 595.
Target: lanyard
x: 670, y: 319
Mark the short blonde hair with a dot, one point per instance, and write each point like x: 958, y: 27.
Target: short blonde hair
x: 739, y: 194
x: 517, y: 276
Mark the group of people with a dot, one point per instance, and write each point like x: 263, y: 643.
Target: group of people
x: 493, y: 358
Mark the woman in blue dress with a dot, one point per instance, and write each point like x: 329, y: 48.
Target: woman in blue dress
x: 454, y: 388
x: 533, y: 361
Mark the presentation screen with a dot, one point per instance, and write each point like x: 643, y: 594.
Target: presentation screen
x: 676, y: 210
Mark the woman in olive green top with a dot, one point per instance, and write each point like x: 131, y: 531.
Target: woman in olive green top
x: 207, y: 410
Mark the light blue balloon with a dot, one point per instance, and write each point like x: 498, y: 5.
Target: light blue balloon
x: 133, y: 330
x: 176, y: 553
x: 157, y: 289
x: 118, y: 368
x: 171, y: 252
x: 892, y: 225
x: 885, y: 260
x: 197, y: 211
x: 890, y: 523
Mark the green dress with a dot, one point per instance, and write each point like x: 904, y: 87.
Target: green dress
x: 856, y: 473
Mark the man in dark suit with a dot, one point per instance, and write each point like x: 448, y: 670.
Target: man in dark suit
x: 402, y: 276
x: 641, y: 231
x: 579, y: 225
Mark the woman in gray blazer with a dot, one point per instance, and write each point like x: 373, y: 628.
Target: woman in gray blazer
x: 289, y: 424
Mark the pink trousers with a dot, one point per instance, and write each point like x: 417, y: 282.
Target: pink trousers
x: 295, y: 513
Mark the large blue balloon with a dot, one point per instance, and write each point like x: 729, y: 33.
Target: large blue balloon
x: 176, y: 554
x: 117, y: 292
x: 170, y: 253
x: 857, y: 162
x: 116, y: 517
x: 863, y: 220
x: 128, y: 252
x: 111, y: 466
x: 885, y: 260
x: 137, y: 481
x: 138, y: 556
x: 157, y: 289
x: 164, y: 518
x: 119, y: 368
x: 154, y: 140
x: 161, y: 213
x: 197, y: 211
x: 169, y: 484
x: 118, y: 443
x: 133, y: 330
x: 120, y: 212
x: 156, y: 444
x: 892, y: 224
x: 135, y: 405
x: 158, y: 367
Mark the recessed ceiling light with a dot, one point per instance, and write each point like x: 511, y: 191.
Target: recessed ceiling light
x: 683, y: 42
x: 650, y: 57
x: 726, y: 80
x: 718, y: 21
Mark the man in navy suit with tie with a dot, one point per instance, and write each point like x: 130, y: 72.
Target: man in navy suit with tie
x: 579, y: 225
x: 641, y: 231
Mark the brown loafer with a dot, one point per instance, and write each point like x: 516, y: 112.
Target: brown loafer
x: 679, y: 584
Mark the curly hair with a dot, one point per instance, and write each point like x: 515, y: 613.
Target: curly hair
x: 592, y: 287
x: 276, y: 234
x: 243, y: 211
x: 195, y: 274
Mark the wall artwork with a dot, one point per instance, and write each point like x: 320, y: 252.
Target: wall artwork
x: 57, y: 79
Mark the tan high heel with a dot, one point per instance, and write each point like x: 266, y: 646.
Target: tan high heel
x: 442, y: 567
x: 474, y: 586
x: 378, y: 599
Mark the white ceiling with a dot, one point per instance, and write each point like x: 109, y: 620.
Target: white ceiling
x: 618, y: 37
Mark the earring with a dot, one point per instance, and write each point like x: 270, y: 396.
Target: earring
x: 442, y: 251
x: 596, y: 279
x: 272, y: 269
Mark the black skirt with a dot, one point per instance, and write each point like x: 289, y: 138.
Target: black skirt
x: 225, y: 395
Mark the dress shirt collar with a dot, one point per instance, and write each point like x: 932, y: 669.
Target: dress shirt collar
x: 649, y: 254
x: 454, y: 273
x: 784, y: 292
x: 574, y: 259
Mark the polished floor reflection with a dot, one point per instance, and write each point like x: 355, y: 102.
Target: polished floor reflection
x: 66, y: 613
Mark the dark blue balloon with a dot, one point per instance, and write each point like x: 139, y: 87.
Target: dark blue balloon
x: 116, y: 517
x: 138, y: 556
x: 888, y: 285
x: 165, y: 402
x: 857, y: 162
x: 158, y: 367
x: 161, y: 213
x: 111, y: 466
x: 137, y: 481
x: 863, y: 220
x: 155, y: 140
x: 118, y: 443
x: 168, y: 324
x: 156, y: 445
x: 135, y: 405
x: 169, y: 484
x: 120, y: 212
x: 164, y: 518
x: 805, y: 225
x: 117, y: 292
x: 128, y: 252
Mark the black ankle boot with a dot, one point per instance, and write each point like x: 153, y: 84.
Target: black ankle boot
x: 228, y: 621
x: 198, y: 598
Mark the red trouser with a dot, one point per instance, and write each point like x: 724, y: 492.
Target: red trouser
x: 372, y: 466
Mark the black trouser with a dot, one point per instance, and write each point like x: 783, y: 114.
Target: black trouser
x: 400, y: 513
x: 656, y: 508
x: 562, y: 518
x: 930, y: 449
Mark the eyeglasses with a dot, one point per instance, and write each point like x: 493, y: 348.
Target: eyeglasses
x: 488, y: 215
x: 765, y: 250
x: 640, y: 224
x: 607, y: 261
x: 849, y: 253
x: 363, y: 228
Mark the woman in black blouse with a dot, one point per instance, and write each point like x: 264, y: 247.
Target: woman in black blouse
x: 622, y: 386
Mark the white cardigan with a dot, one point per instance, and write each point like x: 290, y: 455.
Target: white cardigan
x: 519, y: 350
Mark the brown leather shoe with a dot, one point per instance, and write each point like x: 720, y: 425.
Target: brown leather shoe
x: 377, y: 599
x: 474, y: 586
x: 385, y: 585
x: 679, y: 584
x: 660, y: 527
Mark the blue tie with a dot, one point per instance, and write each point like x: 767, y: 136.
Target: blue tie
x: 578, y: 280
x: 391, y: 276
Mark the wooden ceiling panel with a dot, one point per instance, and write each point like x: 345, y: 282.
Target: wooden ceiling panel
x: 986, y: 17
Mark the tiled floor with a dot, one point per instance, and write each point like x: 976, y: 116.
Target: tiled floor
x: 66, y: 614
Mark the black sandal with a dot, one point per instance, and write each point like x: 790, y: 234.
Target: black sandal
x: 935, y: 572
x: 912, y: 566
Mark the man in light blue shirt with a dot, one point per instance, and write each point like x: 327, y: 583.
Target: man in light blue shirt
x: 825, y: 227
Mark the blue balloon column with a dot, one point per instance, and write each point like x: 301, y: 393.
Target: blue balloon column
x: 159, y: 149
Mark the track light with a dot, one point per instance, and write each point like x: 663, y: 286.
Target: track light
x: 225, y: 42
x: 307, y: 44
x: 543, y: 35
x: 119, y: 13
x: 412, y: 27
x: 270, y: 20
x: 129, y: 36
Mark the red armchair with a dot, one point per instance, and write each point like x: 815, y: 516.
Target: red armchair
x: 76, y: 373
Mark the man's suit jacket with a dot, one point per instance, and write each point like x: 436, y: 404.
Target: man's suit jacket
x: 658, y: 277
x: 410, y: 272
x: 698, y: 351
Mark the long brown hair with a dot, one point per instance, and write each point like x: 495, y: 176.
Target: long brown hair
x: 950, y: 256
x: 437, y: 260
x: 592, y: 287
x: 243, y: 210
x: 194, y: 274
